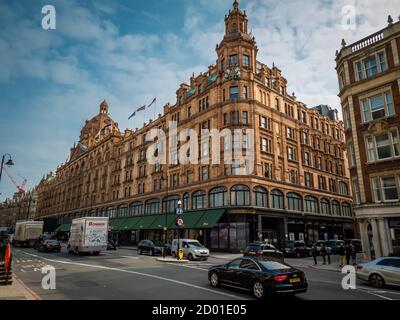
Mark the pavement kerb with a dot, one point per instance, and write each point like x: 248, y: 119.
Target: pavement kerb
x: 171, y: 260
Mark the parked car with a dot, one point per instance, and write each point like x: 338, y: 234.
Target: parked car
x: 43, y: 237
x: 49, y: 245
x: 260, y: 276
x: 192, y: 249
x: 111, y: 245
x: 334, y: 245
x: 380, y: 272
x: 264, y: 250
x: 296, y: 249
x: 151, y: 247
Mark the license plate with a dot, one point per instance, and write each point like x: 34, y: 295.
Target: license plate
x: 295, y: 280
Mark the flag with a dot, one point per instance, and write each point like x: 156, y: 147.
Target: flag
x: 153, y: 102
x: 138, y: 110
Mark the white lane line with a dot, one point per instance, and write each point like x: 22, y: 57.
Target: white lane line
x: 141, y: 274
x: 375, y: 294
x: 189, y: 267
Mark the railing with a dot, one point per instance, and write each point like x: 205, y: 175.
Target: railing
x: 367, y: 41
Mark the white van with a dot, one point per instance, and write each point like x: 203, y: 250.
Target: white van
x: 192, y: 249
x: 88, y: 235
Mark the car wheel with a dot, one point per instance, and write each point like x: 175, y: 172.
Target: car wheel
x: 377, y: 281
x: 258, y: 290
x: 214, y: 279
x: 190, y: 256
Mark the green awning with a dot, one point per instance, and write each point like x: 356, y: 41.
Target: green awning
x: 131, y: 223
x: 117, y: 224
x: 190, y: 218
x: 209, y: 219
x: 159, y: 222
x: 63, y: 228
x: 145, y: 223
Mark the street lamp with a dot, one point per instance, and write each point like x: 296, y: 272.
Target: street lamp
x: 179, y: 230
x: 8, y: 163
x: 162, y: 179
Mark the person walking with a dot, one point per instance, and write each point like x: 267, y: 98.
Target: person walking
x: 348, y: 253
x: 353, y: 254
x: 342, y: 255
x: 314, y: 253
x: 326, y: 253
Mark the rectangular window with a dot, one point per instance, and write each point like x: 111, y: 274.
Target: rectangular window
x: 371, y: 67
x: 264, y: 145
x: 292, y: 153
x: 234, y: 93
x: 346, y: 115
x: 359, y: 71
x: 352, y: 155
x: 385, y: 146
x: 268, y: 170
x: 290, y: 133
x: 236, y: 167
x: 246, y: 61
x: 245, y: 119
x: 226, y: 119
x: 234, y: 59
x: 389, y: 189
x: 264, y: 122
x: 306, y: 159
x: 245, y: 95
x: 235, y: 117
x: 356, y: 192
x: 308, y: 179
x: 321, y: 183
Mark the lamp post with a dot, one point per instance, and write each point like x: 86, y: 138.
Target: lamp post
x: 166, y: 213
x: 8, y: 163
x: 179, y: 213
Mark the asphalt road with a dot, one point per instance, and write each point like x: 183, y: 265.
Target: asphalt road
x: 124, y: 275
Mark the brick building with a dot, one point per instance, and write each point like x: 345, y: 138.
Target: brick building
x: 297, y: 188
x: 369, y: 81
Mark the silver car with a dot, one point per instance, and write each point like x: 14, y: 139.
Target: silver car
x: 380, y: 272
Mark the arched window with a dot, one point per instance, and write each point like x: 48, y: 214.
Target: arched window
x: 240, y: 195
x: 325, y: 206
x: 343, y: 188
x: 277, y: 199
x: 294, y: 201
x: 346, y: 209
x: 152, y: 206
x: 311, y: 204
x: 122, y: 211
x: 136, y: 209
x: 170, y: 204
x: 260, y: 197
x: 186, y: 202
x: 336, y: 208
x: 199, y: 200
x: 218, y: 197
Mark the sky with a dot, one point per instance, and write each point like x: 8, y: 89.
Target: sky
x: 130, y: 51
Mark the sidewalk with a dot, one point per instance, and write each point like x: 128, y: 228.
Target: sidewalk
x: 17, y: 291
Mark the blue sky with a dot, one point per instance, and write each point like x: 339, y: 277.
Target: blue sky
x: 128, y: 52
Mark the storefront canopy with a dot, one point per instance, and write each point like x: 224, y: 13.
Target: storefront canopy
x: 209, y: 219
x: 145, y: 223
x: 63, y: 228
x: 117, y: 224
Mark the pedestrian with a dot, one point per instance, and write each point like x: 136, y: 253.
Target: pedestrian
x: 326, y: 252
x: 314, y: 253
x: 348, y: 253
x: 354, y: 254
x: 342, y: 255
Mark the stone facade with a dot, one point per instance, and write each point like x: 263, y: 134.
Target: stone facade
x: 298, y: 187
x: 369, y: 81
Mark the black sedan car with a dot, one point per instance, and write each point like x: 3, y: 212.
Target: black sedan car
x: 50, y: 245
x: 151, y: 247
x: 262, y: 277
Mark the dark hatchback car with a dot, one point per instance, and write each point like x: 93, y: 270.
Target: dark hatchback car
x: 151, y: 247
x: 49, y: 245
x: 296, y: 249
x: 262, y: 277
x: 263, y: 250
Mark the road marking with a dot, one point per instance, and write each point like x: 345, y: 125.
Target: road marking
x: 375, y: 294
x: 141, y: 274
x: 184, y: 266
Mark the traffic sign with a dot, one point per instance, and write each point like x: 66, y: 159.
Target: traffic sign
x: 180, y: 222
x: 179, y: 211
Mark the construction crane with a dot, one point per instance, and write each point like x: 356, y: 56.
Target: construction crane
x: 20, y: 187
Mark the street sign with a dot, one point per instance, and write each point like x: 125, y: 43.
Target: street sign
x: 179, y: 211
x: 180, y: 222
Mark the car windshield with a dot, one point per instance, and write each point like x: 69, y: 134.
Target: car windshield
x: 299, y: 245
x: 290, y: 244
x: 273, y: 265
x: 158, y: 244
x: 52, y: 241
x: 195, y: 244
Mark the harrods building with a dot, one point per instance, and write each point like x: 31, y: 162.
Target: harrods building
x: 298, y: 189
